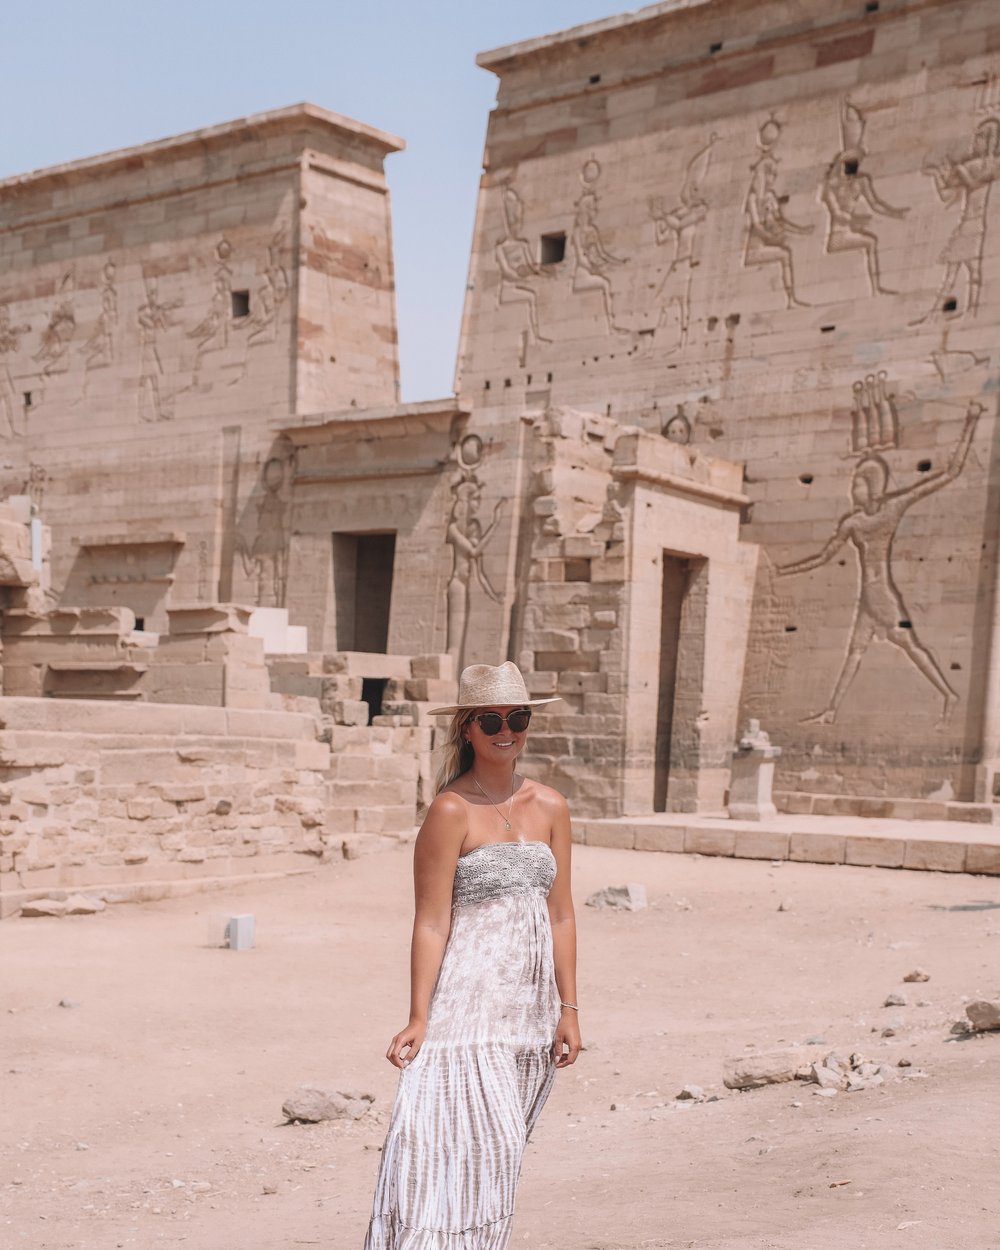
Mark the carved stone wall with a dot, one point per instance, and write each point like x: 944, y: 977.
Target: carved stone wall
x: 773, y: 240
x: 161, y: 309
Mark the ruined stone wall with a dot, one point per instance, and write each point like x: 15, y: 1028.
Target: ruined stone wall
x: 766, y: 230
x: 160, y: 310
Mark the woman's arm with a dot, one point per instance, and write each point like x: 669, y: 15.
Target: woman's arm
x: 566, y: 1044
x: 435, y: 855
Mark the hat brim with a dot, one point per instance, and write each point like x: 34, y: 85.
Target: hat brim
x: 467, y: 707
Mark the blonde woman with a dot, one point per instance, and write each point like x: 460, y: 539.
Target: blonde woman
x: 493, y: 1010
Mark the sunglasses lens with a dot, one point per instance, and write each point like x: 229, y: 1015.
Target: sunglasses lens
x: 490, y: 723
x: 518, y: 721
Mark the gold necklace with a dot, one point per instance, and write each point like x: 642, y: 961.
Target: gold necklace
x: 510, y: 808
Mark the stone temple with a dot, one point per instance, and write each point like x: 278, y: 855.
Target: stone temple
x: 723, y: 445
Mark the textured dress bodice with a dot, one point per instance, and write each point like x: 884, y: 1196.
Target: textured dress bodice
x: 503, y: 868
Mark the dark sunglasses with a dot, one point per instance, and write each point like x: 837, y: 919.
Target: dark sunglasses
x: 492, y: 722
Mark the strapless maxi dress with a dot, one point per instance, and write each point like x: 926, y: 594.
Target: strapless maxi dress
x: 467, y: 1103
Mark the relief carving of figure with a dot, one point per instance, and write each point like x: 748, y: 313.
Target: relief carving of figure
x: 98, y: 350
x: 12, y: 418
x: 870, y: 528
x: 850, y: 198
x: 262, y: 324
x: 468, y: 539
x: 967, y: 182
x: 212, y: 332
x: 153, y: 317
x: 517, y: 266
x: 769, y: 231
x: 679, y: 226
x: 53, y: 354
x: 591, y: 258
x: 265, y: 557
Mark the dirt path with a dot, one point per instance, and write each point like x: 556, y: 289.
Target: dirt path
x: 149, y: 1115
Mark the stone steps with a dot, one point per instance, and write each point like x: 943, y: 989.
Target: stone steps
x: 932, y: 845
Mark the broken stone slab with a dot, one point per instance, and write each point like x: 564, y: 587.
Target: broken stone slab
x: 311, y: 1104
x: 983, y: 1016
x: 827, y: 1077
x: 44, y: 907
x: 631, y: 897
x: 84, y: 905
x: 756, y: 1071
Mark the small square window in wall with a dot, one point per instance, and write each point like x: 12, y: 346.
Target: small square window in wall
x: 241, y: 304
x: 553, y: 248
x: 577, y: 570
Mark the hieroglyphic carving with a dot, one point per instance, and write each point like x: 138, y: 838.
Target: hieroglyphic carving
x: 34, y: 487
x: 591, y: 258
x: 262, y: 324
x: 968, y: 182
x: 99, y: 349
x: 12, y: 414
x: 264, y: 549
x: 212, y: 332
x: 874, y: 419
x: 153, y: 317
x: 517, y: 266
x: 679, y: 225
x: 849, y: 196
x: 870, y: 527
x: 53, y: 354
x: 949, y: 363
x: 769, y: 231
x: 468, y: 540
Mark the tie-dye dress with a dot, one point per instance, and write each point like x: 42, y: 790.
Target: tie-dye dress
x: 468, y: 1101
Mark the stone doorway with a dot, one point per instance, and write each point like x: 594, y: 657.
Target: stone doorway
x: 676, y: 575
x: 362, y: 587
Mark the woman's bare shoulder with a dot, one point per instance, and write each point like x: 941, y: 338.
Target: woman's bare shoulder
x: 448, y: 807
x: 547, y: 796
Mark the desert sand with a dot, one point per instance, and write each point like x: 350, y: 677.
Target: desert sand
x: 149, y: 1114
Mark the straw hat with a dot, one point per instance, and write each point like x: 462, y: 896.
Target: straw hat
x: 486, y: 685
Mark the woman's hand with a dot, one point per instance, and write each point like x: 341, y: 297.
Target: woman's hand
x: 409, y: 1040
x: 566, y: 1046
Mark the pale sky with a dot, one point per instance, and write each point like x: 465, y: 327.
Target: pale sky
x: 81, y: 78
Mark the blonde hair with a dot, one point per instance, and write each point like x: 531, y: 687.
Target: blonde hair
x: 456, y: 753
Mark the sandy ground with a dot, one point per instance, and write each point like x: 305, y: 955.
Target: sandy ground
x: 149, y: 1114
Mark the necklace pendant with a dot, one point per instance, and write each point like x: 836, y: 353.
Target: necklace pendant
x: 506, y: 825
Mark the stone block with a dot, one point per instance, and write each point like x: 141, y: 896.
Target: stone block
x: 874, y: 852
x: 208, y: 618
x: 610, y: 833
x: 667, y: 838
x: 982, y: 858
x: 934, y: 856
x: 431, y: 690
x: 817, y: 848
x: 540, y: 684
x: 438, y: 667
x: 367, y: 664
x: 706, y: 840
x: 581, y: 683
x: 760, y: 844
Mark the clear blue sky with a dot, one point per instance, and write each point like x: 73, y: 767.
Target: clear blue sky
x: 85, y: 76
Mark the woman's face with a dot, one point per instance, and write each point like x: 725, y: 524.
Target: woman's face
x: 506, y: 744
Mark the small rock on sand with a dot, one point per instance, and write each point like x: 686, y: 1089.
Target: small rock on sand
x: 983, y: 1016
x: 755, y: 1071
x: 895, y: 1000
x: 631, y: 897
x: 917, y: 974
x: 312, y: 1104
x: 692, y: 1093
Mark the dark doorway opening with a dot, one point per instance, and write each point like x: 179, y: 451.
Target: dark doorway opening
x: 362, y: 587
x: 676, y: 576
x: 372, y: 693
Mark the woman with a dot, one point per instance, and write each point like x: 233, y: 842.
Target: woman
x: 492, y: 983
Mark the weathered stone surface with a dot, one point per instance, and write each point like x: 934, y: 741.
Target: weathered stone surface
x: 983, y: 1016
x: 630, y: 897
x: 756, y: 1071
x: 311, y: 1104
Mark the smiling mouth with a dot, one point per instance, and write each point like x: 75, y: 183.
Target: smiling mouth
x: 504, y: 745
